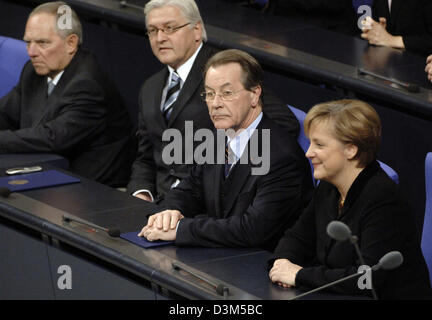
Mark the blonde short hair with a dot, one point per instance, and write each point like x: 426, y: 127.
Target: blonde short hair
x: 353, y: 122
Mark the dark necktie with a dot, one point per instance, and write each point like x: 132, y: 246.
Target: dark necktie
x: 172, y: 94
x: 229, y: 159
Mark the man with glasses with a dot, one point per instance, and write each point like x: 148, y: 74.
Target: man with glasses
x: 230, y: 203
x: 172, y: 96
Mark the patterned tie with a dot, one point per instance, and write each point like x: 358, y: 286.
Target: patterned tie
x: 51, y: 87
x: 172, y: 94
x: 229, y: 159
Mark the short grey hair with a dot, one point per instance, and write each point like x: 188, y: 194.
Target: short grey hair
x: 53, y: 8
x: 188, y: 8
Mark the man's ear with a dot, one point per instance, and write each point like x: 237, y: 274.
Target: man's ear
x: 72, y: 43
x: 198, y: 31
x: 256, y: 94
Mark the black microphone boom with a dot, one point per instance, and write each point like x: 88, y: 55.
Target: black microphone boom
x: 219, y: 287
x: 389, y: 261
x: 408, y: 86
x: 115, y: 233
x: 124, y: 4
x: 341, y: 232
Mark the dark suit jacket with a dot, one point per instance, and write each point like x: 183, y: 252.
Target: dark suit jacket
x: 410, y: 19
x: 374, y: 213
x: 149, y: 171
x: 243, y: 210
x: 83, y: 119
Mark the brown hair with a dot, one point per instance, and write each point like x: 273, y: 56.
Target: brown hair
x: 252, y: 71
x: 353, y: 122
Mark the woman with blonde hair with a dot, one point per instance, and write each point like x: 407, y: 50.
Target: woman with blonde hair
x: 345, y: 136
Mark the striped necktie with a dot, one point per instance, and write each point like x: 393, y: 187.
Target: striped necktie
x: 229, y: 159
x: 51, y: 87
x: 172, y: 94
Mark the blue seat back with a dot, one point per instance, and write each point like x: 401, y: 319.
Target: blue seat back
x: 13, y: 56
x: 357, y: 3
x: 390, y: 172
x: 426, y: 241
x: 302, y: 139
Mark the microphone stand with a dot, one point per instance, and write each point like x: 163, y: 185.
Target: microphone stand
x: 354, y: 240
x: 330, y: 284
x: 124, y: 4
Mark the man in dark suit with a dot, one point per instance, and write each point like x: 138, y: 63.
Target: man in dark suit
x: 177, y: 37
x: 64, y: 104
x: 241, y: 202
x: 401, y: 24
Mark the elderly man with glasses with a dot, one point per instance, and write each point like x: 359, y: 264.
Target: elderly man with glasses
x: 171, y: 97
x: 231, y: 203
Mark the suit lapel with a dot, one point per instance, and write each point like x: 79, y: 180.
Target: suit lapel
x: 160, y: 82
x: 241, y: 173
x: 40, y: 106
x: 394, y: 13
x: 234, y: 183
x: 193, y: 83
x: 217, y: 185
x: 51, y: 101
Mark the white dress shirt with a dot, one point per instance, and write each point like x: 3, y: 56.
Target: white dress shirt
x: 56, y: 78
x: 238, y: 143
x: 183, y: 72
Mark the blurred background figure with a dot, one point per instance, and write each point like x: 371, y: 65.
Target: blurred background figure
x: 400, y: 24
x: 428, y: 68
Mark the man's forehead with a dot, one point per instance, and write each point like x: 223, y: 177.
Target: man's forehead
x: 222, y: 85
x: 41, y: 22
x: 223, y: 76
x: 230, y: 70
x: 164, y: 15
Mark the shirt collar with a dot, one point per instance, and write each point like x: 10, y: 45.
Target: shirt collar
x: 238, y: 143
x: 185, y: 68
x: 56, y: 78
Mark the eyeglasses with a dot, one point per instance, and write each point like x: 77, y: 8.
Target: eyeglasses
x: 167, y: 30
x: 226, y: 95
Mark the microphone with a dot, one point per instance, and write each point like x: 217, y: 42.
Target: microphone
x: 4, y: 192
x: 220, y: 288
x: 124, y: 4
x: 411, y: 87
x: 341, y: 232
x: 115, y: 233
x: 389, y: 261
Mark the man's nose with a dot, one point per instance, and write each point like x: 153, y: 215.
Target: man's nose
x: 32, y: 49
x: 161, y: 36
x: 217, y: 100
